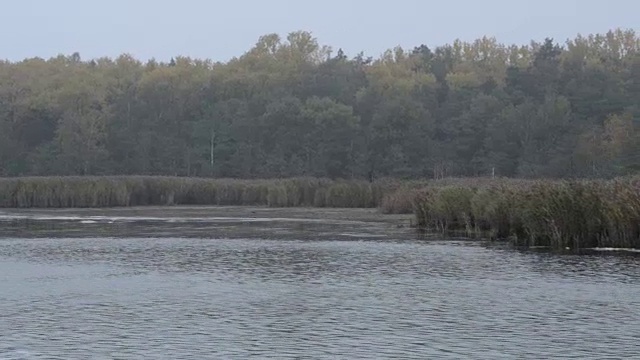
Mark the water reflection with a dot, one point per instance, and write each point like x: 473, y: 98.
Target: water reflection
x: 175, y: 298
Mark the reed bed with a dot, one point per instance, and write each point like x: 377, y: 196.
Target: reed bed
x: 556, y: 214
x: 401, y: 201
x: 114, y: 191
x: 551, y: 213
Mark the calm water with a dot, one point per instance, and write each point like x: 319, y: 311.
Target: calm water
x: 174, y: 298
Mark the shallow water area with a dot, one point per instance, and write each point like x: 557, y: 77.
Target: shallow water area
x: 236, y: 283
x: 207, y: 222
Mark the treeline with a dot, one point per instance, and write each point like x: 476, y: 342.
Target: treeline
x: 291, y: 107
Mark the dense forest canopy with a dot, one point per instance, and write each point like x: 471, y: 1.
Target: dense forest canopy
x: 291, y: 107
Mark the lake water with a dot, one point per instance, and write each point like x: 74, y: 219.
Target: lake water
x: 90, y: 296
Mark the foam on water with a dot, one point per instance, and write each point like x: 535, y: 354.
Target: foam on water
x: 616, y: 249
x: 182, y: 219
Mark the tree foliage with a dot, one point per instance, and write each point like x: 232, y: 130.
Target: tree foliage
x: 293, y: 107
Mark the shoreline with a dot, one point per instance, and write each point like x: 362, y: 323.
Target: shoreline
x: 560, y: 214
x: 129, y: 191
x: 243, y: 222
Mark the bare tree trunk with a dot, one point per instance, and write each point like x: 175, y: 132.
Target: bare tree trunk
x: 213, y: 135
x: 188, y: 162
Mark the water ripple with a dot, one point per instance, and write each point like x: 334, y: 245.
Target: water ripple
x: 105, y: 298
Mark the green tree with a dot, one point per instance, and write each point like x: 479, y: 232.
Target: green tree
x: 290, y: 106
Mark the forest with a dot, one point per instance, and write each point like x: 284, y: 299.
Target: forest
x: 292, y: 107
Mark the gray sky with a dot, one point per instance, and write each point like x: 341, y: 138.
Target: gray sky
x: 222, y: 29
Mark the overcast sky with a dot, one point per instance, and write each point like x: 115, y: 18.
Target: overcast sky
x: 221, y: 29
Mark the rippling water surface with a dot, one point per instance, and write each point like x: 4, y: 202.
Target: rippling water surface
x: 173, y: 298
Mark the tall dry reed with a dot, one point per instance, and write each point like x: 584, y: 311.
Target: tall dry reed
x: 556, y: 214
x: 112, y: 191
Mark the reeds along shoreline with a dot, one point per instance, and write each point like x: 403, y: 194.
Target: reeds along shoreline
x: 556, y: 214
x: 114, y: 191
x: 559, y: 214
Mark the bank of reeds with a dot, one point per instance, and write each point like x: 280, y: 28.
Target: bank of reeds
x: 113, y: 191
x: 400, y: 201
x: 556, y: 214
x: 403, y: 200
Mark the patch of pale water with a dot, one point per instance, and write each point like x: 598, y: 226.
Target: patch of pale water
x: 177, y: 298
x: 218, y: 222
